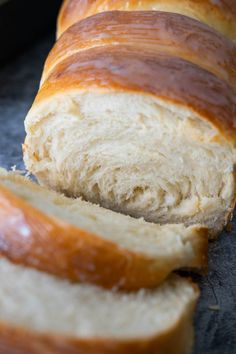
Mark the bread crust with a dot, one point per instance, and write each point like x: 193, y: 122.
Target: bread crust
x: 220, y: 14
x: 153, y: 32
x: 170, y: 79
x: 177, y: 340
x: 32, y: 238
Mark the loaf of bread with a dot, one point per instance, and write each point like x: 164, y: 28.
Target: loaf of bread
x: 136, y: 113
x: 40, y: 314
x: 82, y: 242
x: 142, y: 123
x: 218, y: 14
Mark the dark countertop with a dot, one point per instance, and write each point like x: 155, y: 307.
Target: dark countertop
x: 19, y: 81
x: 215, y: 329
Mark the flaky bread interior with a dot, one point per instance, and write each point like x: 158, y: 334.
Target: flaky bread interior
x: 43, y: 304
x: 134, y: 154
x: 169, y: 246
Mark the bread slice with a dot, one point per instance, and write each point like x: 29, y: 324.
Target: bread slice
x: 40, y: 314
x: 84, y: 242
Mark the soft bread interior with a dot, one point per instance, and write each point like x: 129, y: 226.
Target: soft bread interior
x: 39, y: 302
x: 135, y: 235
x: 134, y: 154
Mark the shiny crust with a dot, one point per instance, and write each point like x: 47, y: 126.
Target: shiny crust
x: 171, y: 79
x: 177, y: 340
x: 71, y: 12
x: 220, y: 14
x: 31, y: 238
x: 153, y: 32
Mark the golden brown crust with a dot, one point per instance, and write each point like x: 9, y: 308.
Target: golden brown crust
x: 170, y: 79
x: 220, y: 14
x: 71, y: 12
x: 177, y: 340
x: 31, y: 238
x: 151, y: 32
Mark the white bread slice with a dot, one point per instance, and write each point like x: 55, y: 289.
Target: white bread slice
x: 83, y: 242
x: 40, y: 314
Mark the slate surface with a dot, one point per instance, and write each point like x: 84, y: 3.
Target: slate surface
x: 215, y: 330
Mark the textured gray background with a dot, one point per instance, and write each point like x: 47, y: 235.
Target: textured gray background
x: 215, y: 330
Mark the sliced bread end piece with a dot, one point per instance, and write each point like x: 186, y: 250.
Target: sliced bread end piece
x: 83, y: 242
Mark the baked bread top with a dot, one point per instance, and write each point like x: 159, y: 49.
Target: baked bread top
x: 220, y: 15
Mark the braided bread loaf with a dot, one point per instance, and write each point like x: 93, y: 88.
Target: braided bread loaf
x: 137, y: 113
